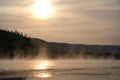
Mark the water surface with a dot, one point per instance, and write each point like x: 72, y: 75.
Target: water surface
x: 78, y: 69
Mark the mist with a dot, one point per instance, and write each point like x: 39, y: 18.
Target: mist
x: 59, y: 40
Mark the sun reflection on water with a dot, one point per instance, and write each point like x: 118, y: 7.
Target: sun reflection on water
x: 43, y: 65
x: 44, y: 74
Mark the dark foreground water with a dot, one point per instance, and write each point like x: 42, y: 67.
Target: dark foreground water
x: 60, y: 70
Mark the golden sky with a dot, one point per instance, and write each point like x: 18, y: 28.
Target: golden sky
x: 71, y: 21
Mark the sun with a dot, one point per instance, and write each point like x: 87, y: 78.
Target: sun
x: 42, y: 8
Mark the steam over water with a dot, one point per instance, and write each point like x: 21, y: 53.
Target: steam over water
x: 77, y: 69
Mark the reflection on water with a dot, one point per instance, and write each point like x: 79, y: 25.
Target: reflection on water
x: 42, y: 65
x: 44, y: 74
x: 60, y: 70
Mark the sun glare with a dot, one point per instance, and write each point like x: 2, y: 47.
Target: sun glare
x: 42, y: 8
x: 42, y: 65
x: 44, y: 74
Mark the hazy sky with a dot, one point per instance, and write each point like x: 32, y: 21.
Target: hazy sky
x: 72, y: 21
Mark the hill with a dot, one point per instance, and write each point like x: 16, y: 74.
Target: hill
x: 15, y: 44
x: 84, y: 51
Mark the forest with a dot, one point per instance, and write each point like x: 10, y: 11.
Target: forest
x: 14, y: 44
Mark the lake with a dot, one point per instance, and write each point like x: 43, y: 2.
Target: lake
x: 67, y: 69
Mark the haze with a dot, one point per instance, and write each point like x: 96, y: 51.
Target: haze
x: 73, y: 21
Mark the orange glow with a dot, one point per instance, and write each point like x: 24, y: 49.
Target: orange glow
x: 43, y: 65
x: 44, y: 74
